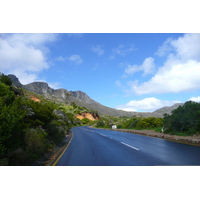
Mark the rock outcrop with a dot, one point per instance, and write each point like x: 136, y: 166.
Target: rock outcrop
x: 15, y: 80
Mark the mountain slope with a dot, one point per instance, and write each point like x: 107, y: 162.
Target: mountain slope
x: 168, y: 109
x: 78, y: 97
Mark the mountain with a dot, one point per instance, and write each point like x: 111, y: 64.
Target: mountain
x: 15, y: 80
x: 78, y: 97
x: 168, y: 109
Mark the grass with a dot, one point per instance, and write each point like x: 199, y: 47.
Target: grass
x: 158, y: 129
x: 182, y: 134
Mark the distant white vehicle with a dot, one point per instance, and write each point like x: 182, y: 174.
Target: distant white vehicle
x: 114, y: 126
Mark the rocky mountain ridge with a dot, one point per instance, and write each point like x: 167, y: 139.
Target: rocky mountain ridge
x: 80, y: 98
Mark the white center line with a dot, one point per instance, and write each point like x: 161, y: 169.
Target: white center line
x: 103, y: 135
x: 129, y: 146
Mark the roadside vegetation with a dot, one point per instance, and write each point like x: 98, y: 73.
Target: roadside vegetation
x: 134, y: 122
x: 28, y: 128
x: 184, y: 121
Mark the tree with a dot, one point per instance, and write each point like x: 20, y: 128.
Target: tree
x: 11, y: 125
x: 100, y: 123
x: 5, y: 79
x: 184, y: 119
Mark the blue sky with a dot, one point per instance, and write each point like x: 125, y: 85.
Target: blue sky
x: 132, y: 71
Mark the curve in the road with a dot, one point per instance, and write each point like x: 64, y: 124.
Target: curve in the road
x: 97, y: 147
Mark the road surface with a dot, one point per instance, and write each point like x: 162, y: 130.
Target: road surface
x: 97, y: 147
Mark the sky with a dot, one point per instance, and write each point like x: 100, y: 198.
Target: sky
x: 129, y: 71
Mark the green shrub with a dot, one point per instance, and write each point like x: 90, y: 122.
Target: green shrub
x: 150, y: 122
x: 36, y: 141
x: 86, y: 121
x: 100, y: 124
x: 56, y: 132
x: 133, y: 124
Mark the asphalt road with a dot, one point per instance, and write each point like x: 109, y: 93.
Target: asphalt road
x: 97, y: 147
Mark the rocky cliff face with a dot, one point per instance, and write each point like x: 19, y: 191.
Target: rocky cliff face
x: 41, y: 88
x: 60, y: 95
x: 15, y: 80
x: 82, y: 96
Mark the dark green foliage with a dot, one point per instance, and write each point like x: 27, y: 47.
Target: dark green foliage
x: 6, y: 95
x: 128, y: 123
x: 133, y: 124
x: 27, y: 128
x: 100, y: 124
x: 86, y: 121
x: 5, y: 79
x: 35, y: 140
x: 11, y: 121
x: 184, y: 119
x: 40, y: 113
x: 56, y: 131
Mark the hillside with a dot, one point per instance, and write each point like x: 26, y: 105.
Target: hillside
x: 78, y: 97
x: 168, y: 109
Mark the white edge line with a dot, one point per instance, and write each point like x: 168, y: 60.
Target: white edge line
x: 130, y: 146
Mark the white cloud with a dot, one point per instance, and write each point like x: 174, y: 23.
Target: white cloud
x: 75, y: 59
x: 30, y: 38
x: 54, y: 85
x: 180, y: 72
x: 118, y: 83
x: 165, y: 48
x: 148, y: 104
x: 122, y: 50
x: 60, y: 58
x: 24, y: 55
x: 147, y: 66
x: 97, y: 49
x: 177, y: 77
x: 196, y: 99
x: 187, y: 47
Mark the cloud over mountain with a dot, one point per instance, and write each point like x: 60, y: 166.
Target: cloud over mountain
x: 24, y: 54
x: 147, y: 104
